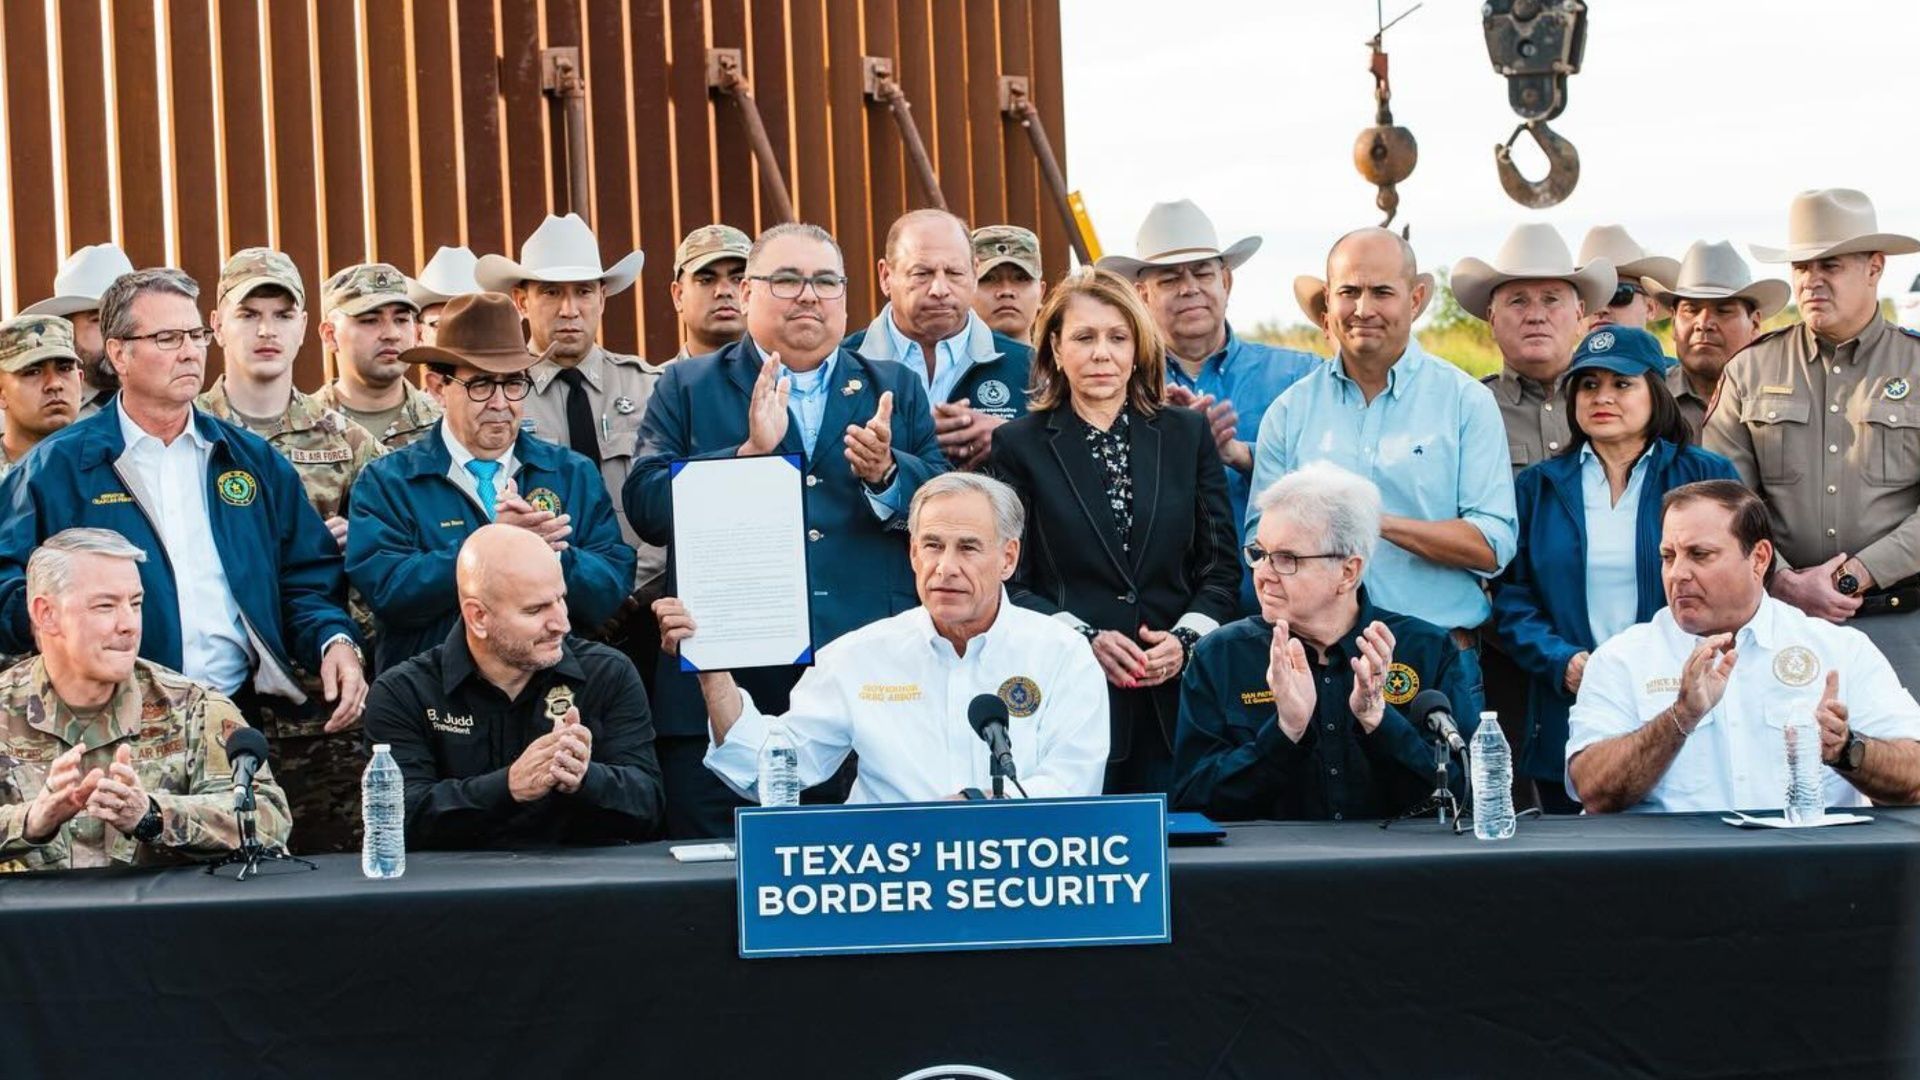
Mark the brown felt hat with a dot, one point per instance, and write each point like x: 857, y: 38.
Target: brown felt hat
x: 482, y: 329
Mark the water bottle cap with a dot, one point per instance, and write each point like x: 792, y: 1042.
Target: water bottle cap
x: 1489, y: 714
x: 382, y: 748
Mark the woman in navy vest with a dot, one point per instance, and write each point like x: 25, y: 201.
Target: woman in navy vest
x: 1588, y: 564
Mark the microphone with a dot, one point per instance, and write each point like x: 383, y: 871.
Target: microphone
x: 988, y: 715
x: 246, y: 752
x: 1432, y: 710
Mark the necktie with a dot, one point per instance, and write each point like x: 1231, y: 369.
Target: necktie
x: 484, y: 472
x: 580, y: 418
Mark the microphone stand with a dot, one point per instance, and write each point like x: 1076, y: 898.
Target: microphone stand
x: 1442, y: 802
x: 249, y: 855
x: 998, y: 771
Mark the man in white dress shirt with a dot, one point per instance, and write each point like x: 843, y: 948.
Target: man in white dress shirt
x: 897, y: 691
x: 1688, y: 711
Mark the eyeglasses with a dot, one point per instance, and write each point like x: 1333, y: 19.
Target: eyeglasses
x: 480, y: 391
x: 170, y: 340
x: 1284, y: 563
x: 785, y: 285
x: 1624, y: 293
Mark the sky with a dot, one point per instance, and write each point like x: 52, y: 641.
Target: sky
x: 1694, y: 119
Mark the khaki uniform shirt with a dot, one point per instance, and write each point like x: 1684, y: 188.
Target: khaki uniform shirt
x: 328, y: 450
x: 91, y: 402
x: 177, y: 730
x: 1830, y: 438
x: 618, y: 389
x: 418, y: 414
x: 1692, y: 406
x: 1535, y: 418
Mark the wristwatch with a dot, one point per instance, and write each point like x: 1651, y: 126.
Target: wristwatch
x: 1188, y: 638
x: 1846, y: 583
x: 886, y: 479
x: 148, y: 830
x: 1852, y: 754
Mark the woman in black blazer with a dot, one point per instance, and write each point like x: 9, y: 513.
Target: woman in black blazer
x: 1129, y: 536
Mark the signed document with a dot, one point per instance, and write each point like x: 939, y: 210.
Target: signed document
x: 740, y: 557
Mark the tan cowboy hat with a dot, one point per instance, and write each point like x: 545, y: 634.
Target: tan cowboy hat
x: 1833, y: 221
x: 1311, y: 294
x: 82, y: 279
x: 1533, y: 252
x: 1717, y: 272
x: 1631, y: 262
x: 561, y: 249
x: 447, y: 275
x: 1176, y: 233
x: 482, y: 329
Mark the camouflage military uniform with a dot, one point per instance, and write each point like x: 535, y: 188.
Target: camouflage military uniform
x: 26, y: 340
x: 417, y: 417
x: 177, y: 730
x: 320, y: 772
x: 358, y: 290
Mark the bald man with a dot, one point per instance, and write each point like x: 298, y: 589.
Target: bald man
x: 511, y: 733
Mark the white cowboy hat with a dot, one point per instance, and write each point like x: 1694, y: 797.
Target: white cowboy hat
x: 82, y: 278
x: 1631, y: 262
x: 1717, y: 272
x: 1532, y: 252
x: 1833, y: 221
x: 561, y: 249
x: 1311, y: 294
x: 1176, y: 233
x: 447, y: 275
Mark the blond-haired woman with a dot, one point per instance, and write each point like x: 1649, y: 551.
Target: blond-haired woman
x: 1129, y: 534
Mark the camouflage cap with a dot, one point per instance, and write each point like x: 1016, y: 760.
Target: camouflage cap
x: 707, y: 244
x: 995, y: 245
x: 26, y: 340
x: 363, y: 288
x: 257, y: 268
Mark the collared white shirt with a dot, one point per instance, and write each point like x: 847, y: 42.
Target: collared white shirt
x: 214, y: 645
x: 465, y: 480
x: 1613, y: 545
x: 1736, y: 759
x: 950, y: 359
x: 896, y: 693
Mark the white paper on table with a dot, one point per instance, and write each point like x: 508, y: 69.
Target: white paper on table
x: 1748, y: 821
x: 740, y: 562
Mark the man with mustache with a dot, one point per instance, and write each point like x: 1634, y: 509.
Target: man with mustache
x: 510, y: 733
x: 40, y: 384
x: 259, y: 318
x: 1717, y: 310
x: 112, y: 759
x: 975, y: 378
x: 864, y: 434
x: 1631, y: 304
x: 77, y: 288
x: 585, y: 397
x: 367, y: 319
x: 243, y: 583
x: 413, y: 508
x: 1822, y: 419
x: 709, y: 273
x: 1689, y: 712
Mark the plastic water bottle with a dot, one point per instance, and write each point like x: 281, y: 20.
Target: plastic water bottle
x: 1805, y: 798
x: 383, y: 810
x: 1492, y: 781
x: 779, y: 768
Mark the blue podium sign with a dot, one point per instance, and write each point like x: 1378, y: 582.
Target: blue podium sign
x: 929, y: 877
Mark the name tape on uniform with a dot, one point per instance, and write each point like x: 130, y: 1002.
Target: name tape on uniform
x: 932, y: 877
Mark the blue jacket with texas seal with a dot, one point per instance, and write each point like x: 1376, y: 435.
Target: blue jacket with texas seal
x: 409, y: 519
x: 993, y: 371
x: 281, y: 562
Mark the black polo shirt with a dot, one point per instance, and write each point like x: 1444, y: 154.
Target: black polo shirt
x: 1232, y: 761
x: 454, y: 735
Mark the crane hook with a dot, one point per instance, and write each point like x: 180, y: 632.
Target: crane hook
x: 1563, y: 167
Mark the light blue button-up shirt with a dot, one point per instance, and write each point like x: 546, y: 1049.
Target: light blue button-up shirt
x: 807, y: 405
x: 1613, y: 575
x: 1250, y: 375
x: 949, y: 358
x: 1433, y: 443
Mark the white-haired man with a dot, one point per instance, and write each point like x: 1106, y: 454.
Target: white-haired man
x: 1295, y: 713
x: 897, y: 692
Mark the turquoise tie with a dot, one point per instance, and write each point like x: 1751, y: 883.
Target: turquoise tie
x: 484, y: 472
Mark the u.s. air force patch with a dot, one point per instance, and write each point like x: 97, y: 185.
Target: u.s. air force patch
x: 1401, y: 683
x: 559, y: 700
x: 1021, y: 694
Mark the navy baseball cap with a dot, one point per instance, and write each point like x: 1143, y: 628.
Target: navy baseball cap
x: 1620, y: 349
